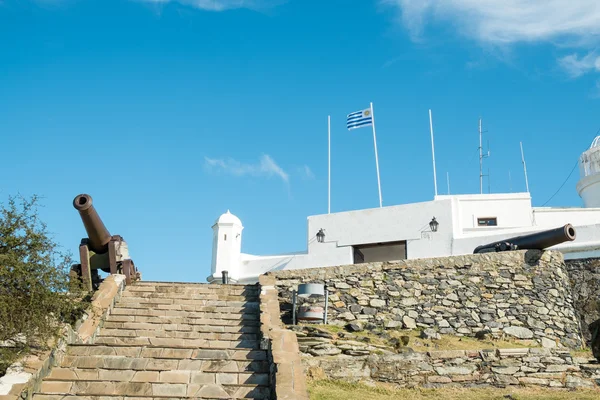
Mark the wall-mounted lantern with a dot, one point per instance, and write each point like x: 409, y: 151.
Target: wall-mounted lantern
x: 434, y: 225
x: 312, y: 312
x: 320, y: 236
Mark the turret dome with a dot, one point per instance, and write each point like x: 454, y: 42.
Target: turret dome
x: 228, y: 218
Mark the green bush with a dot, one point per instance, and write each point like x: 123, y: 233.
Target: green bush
x: 35, y: 297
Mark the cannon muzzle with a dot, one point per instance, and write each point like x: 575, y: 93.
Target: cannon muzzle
x: 534, y: 241
x: 98, y: 235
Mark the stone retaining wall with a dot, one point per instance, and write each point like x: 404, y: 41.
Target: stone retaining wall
x: 521, y: 294
x: 584, y: 275
x: 287, y: 372
x: 470, y: 368
x: 349, y: 357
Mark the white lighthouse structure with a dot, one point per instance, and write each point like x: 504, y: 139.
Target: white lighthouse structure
x: 588, y: 186
x: 227, y: 248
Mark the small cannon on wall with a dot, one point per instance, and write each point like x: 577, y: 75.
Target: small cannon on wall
x: 100, y: 250
x: 534, y: 241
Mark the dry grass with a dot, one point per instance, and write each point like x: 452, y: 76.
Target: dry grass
x: 339, y: 390
x: 447, y: 342
x: 584, y: 353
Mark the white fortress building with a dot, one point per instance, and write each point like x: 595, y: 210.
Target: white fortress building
x: 448, y: 225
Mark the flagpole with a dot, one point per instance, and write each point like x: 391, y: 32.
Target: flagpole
x: 328, y: 164
x: 432, y: 152
x: 376, y: 158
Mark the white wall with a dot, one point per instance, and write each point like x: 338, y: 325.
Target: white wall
x: 510, y: 209
x: 555, y: 217
x: 408, y: 222
x: 585, y: 221
x: 326, y: 255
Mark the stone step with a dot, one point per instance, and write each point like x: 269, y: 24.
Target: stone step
x: 177, y: 334
x: 180, y: 376
x: 163, y: 364
x: 177, y: 342
x: 253, y: 314
x: 190, y: 295
x: 194, y: 284
x: 89, y: 389
x: 183, y: 320
x: 167, y: 353
x: 188, y: 301
x: 169, y: 340
x: 238, y: 290
x: 182, y: 327
x: 182, y: 296
x: 248, y: 306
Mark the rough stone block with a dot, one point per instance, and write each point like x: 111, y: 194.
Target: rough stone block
x: 211, y: 392
x: 62, y: 374
x: 439, y: 379
x: 220, y: 366
x: 506, y: 370
x: 169, y: 390
x: 174, y: 377
x: 446, y: 354
x: 534, y: 381
x: 115, y: 375
x: 226, y: 379
x: 462, y: 370
x: 203, y: 378
x: 146, y: 376
x: 56, y: 387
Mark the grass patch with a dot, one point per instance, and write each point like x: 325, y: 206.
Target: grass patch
x: 339, y: 390
x: 447, y: 342
x: 585, y: 352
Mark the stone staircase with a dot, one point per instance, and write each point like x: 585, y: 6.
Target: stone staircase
x: 170, y: 340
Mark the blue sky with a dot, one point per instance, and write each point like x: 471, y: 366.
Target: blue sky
x: 171, y: 112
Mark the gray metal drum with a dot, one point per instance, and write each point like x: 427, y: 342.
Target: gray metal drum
x: 310, y: 313
x: 311, y: 290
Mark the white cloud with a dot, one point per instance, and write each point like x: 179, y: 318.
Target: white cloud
x: 265, y: 167
x: 306, y: 172
x: 571, y: 24
x: 220, y: 5
x: 507, y: 21
x: 576, y: 66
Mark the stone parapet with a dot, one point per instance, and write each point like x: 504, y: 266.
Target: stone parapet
x: 524, y: 295
x: 25, y: 376
x: 287, y: 372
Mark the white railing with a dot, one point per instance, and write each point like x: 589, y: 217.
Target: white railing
x: 589, y: 162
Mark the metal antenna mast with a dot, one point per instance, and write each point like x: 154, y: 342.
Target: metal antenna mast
x: 481, y: 157
x: 524, y: 167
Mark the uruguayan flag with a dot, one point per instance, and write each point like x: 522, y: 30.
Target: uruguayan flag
x: 359, y: 119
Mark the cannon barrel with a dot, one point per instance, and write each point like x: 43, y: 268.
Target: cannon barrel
x: 537, y: 241
x: 98, y: 235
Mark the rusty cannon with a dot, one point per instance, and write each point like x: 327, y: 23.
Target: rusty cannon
x: 534, y: 241
x: 99, y: 250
